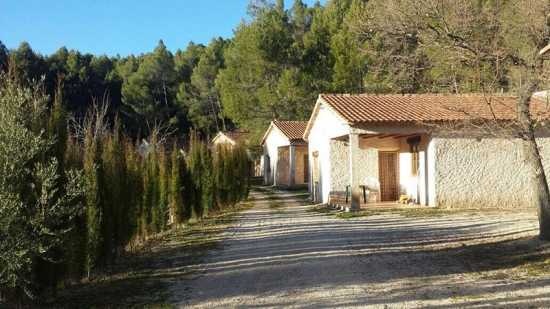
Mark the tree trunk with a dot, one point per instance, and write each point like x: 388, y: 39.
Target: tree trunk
x: 533, y: 160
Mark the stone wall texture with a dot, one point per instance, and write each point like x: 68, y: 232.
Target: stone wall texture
x: 483, y: 173
x: 339, y: 169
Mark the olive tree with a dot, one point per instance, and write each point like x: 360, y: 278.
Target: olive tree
x: 34, y: 216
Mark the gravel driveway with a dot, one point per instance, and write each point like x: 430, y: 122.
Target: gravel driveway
x: 299, y: 259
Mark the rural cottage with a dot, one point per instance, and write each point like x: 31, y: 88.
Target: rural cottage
x: 285, y: 154
x: 380, y: 147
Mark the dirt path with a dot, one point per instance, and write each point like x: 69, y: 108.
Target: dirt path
x: 298, y: 259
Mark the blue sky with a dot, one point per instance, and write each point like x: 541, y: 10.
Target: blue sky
x: 118, y: 26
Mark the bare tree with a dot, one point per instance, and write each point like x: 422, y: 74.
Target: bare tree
x: 468, y: 46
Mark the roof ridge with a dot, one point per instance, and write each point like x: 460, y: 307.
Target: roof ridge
x: 439, y: 94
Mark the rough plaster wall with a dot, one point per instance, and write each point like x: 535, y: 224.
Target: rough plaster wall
x: 416, y: 186
x: 339, y: 169
x: 273, y: 141
x: 283, y: 166
x: 481, y: 174
x: 299, y: 165
x: 325, y: 127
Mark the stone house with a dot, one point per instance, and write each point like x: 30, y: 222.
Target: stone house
x: 285, y: 154
x: 424, y: 146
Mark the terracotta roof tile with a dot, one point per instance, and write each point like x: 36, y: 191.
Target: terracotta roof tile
x: 426, y: 107
x: 291, y: 129
x: 236, y: 135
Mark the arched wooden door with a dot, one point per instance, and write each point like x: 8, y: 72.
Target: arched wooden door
x: 387, y: 172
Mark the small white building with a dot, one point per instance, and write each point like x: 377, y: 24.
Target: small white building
x: 405, y: 145
x: 285, y: 154
x: 231, y: 138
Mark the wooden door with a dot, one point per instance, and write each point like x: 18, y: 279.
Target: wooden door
x: 387, y: 171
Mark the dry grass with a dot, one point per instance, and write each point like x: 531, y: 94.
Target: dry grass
x: 141, y: 279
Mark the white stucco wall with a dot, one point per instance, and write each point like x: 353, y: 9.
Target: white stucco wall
x: 325, y: 127
x: 486, y: 173
x: 416, y: 186
x: 221, y: 138
x: 274, y: 140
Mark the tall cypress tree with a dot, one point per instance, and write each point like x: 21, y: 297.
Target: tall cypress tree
x: 155, y: 207
x: 208, y: 187
x: 177, y: 206
x: 194, y: 168
x: 164, y: 185
x: 94, y: 215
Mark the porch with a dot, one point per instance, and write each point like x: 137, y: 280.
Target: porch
x: 343, y: 205
x: 391, y: 165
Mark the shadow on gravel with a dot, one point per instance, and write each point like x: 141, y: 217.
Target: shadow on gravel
x: 307, y: 250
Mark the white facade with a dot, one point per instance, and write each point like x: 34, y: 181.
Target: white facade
x: 221, y: 138
x: 283, y: 160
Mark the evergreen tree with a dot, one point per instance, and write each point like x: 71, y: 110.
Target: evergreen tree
x: 164, y: 187
x: 208, y: 188
x: 34, y: 220
x: 176, y: 201
x: 157, y: 211
x: 194, y: 167
x: 148, y: 93
x: 94, y: 216
x: 133, y: 192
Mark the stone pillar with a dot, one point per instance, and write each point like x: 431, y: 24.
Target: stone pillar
x: 354, y: 172
x: 291, y: 157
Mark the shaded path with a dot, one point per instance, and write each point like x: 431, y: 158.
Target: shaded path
x: 300, y: 259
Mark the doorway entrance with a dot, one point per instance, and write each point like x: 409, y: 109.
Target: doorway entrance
x: 387, y: 171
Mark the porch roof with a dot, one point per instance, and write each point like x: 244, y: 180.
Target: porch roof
x: 427, y: 107
x: 414, y: 108
x: 292, y: 130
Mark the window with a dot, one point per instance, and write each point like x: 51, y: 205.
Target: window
x: 267, y: 163
x: 414, y: 159
x: 315, y: 166
x: 414, y: 143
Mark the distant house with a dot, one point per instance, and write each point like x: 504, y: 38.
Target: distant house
x: 232, y: 138
x: 285, y: 154
x: 401, y: 145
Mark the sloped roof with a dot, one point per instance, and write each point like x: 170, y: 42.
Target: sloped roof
x: 234, y: 136
x: 379, y: 108
x: 425, y: 107
x: 292, y: 130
